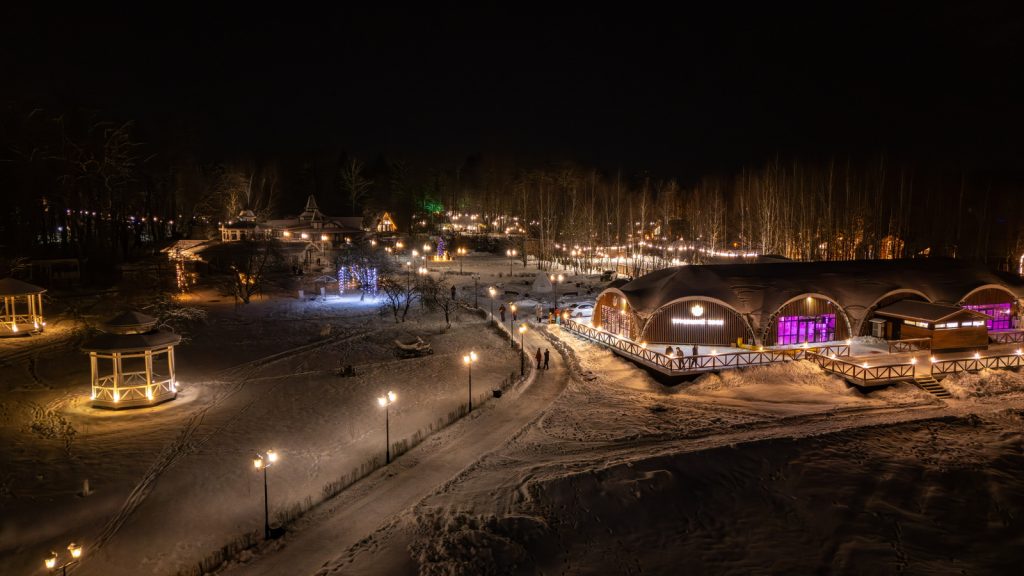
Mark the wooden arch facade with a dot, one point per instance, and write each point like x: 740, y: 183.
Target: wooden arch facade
x: 995, y: 301
x: 864, y: 328
x: 613, y: 314
x: 697, y: 320
x: 807, y: 318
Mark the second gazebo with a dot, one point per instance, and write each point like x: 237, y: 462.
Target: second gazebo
x: 22, y: 311
x: 132, y: 362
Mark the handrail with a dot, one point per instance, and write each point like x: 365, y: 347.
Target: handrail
x: 700, y: 362
x: 946, y: 367
x: 1006, y: 336
x: 910, y: 345
x: 863, y: 373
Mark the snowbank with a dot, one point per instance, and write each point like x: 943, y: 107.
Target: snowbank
x: 983, y: 384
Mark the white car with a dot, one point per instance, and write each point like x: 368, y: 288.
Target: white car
x: 581, y: 310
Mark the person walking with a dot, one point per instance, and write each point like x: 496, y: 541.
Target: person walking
x: 502, y: 312
x: 453, y: 291
x: 538, y: 358
x: 547, y: 358
x: 693, y: 359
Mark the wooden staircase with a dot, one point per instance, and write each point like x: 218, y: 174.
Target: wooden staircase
x: 929, y: 384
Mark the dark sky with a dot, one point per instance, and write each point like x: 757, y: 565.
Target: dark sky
x: 683, y: 92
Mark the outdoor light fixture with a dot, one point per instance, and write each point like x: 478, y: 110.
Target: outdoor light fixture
x: 262, y: 463
x: 305, y: 236
x: 697, y: 310
x: 932, y: 359
x: 977, y: 356
x: 384, y: 402
x: 324, y: 237
x: 468, y: 360
x: 522, y: 349
x: 913, y: 360
x: 51, y: 561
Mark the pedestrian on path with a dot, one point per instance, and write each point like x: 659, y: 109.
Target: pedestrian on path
x: 538, y: 358
x: 502, y: 312
x: 547, y: 358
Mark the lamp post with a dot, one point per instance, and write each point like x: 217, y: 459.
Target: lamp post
x: 462, y: 256
x: 468, y: 360
x: 75, y: 550
x: 262, y: 463
x: 511, y: 319
x: 386, y: 401
x: 492, y: 292
x: 510, y: 253
x: 522, y: 349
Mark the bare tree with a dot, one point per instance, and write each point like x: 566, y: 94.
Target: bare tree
x: 437, y: 294
x: 355, y: 186
x: 398, y: 296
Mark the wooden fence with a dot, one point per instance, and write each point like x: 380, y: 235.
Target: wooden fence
x: 1006, y: 336
x: 910, y: 345
x: 947, y: 367
x: 671, y: 364
x: 862, y: 374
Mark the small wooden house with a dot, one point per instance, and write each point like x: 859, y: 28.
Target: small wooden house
x: 949, y: 327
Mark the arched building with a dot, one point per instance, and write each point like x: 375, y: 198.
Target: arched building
x: 775, y: 304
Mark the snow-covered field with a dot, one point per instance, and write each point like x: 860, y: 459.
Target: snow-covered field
x: 591, y: 467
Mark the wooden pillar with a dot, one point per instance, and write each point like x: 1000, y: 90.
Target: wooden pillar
x: 95, y: 376
x: 149, y: 373
x: 170, y: 366
x: 118, y: 375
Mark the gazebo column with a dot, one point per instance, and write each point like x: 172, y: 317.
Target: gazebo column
x: 118, y: 376
x: 149, y: 374
x: 95, y: 375
x: 170, y: 368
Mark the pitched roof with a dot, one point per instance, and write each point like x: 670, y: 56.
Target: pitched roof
x: 15, y: 287
x: 130, y: 320
x: 926, y: 311
x: 106, y: 342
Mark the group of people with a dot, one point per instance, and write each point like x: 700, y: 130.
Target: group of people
x: 546, y: 356
x: 679, y: 353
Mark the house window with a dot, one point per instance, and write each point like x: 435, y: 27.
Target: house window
x: 799, y: 329
x: 1002, y: 314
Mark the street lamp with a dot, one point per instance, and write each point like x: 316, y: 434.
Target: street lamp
x: 262, y: 463
x: 522, y: 349
x: 468, y: 360
x: 462, y: 256
x: 385, y: 401
x: 492, y: 292
x: 510, y: 253
x: 51, y: 561
x: 511, y: 319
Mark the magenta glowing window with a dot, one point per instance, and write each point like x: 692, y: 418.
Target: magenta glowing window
x: 800, y: 329
x: 1002, y: 314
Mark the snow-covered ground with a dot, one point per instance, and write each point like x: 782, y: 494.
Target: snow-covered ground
x: 591, y: 467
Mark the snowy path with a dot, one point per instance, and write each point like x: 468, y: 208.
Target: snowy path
x: 339, y: 524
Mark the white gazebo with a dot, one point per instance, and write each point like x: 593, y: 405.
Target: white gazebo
x: 132, y: 363
x: 22, y: 311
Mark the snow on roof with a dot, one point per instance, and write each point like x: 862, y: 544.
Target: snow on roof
x: 106, y: 342
x: 760, y: 289
x: 15, y: 287
x: 926, y: 311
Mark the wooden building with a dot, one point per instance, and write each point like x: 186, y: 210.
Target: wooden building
x: 948, y: 327
x: 132, y: 363
x: 22, y: 310
x: 793, y: 303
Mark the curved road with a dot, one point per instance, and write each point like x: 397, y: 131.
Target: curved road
x: 336, y: 525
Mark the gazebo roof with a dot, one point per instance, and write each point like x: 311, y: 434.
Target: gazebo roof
x: 106, y: 342
x: 15, y: 287
x: 128, y: 321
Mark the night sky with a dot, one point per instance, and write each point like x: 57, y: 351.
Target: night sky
x: 682, y: 93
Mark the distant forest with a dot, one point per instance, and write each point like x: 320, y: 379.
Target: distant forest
x: 81, y: 185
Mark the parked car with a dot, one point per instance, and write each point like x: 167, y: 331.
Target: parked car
x: 581, y: 310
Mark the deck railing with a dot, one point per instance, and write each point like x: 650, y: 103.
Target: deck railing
x: 910, y: 345
x: 947, y: 367
x: 701, y: 362
x: 1006, y: 336
x: 132, y: 390
x: 864, y: 375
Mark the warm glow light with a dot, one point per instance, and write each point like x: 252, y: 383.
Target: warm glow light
x: 392, y: 396
x: 75, y: 549
x: 472, y: 356
x: 324, y: 237
x: 149, y: 393
x: 286, y: 234
x: 382, y: 401
x: 643, y: 344
x: 932, y: 359
x: 913, y: 360
x: 697, y: 310
x: 977, y: 356
x: 865, y: 364
x: 51, y: 561
x: 522, y: 328
x: 117, y: 396
x: 258, y: 462
x: 848, y: 341
x: 271, y: 456
x: 513, y: 307
x: 14, y: 327
x: 1018, y: 351
x: 714, y: 352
